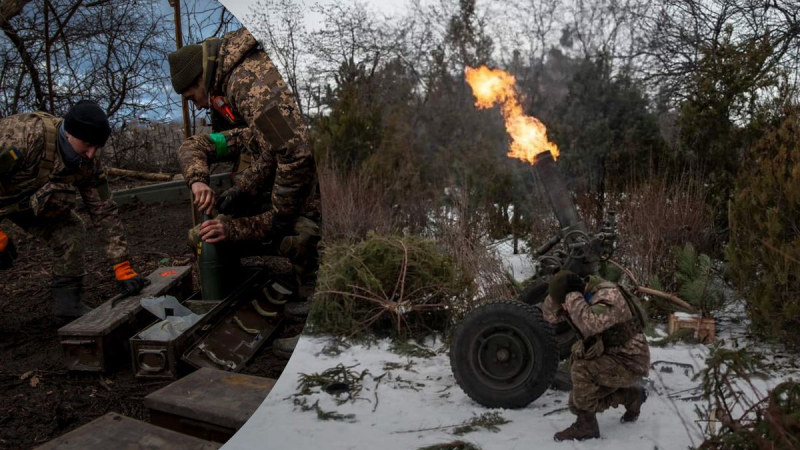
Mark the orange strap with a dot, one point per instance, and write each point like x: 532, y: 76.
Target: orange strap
x: 123, y: 271
x: 3, y: 241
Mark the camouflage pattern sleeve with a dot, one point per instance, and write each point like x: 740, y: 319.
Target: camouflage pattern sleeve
x: 258, y: 92
x: 251, y: 228
x: 197, y: 152
x: 552, y: 311
x: 606, y: 309
x: 105, y: 215
x: 24, y: 135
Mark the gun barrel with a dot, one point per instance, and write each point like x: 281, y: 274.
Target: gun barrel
x: 563, y: 207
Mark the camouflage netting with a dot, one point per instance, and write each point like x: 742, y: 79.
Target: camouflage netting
x: 389, y: 286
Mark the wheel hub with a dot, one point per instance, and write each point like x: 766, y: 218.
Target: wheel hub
x: 503, y: 357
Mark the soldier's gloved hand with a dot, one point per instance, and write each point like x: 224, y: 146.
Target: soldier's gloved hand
x: 8, y: 251
x: 595, y: 350
x: 232, y: 200
x: 577, y: 351
x: 563, y: 283
x: 128, y: 281
x: 282, y: 225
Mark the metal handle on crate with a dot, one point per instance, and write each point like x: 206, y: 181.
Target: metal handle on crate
x: 215, y: 359
x: 148, y: 368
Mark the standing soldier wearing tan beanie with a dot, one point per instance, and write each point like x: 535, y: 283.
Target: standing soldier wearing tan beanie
x: 276, y: 199
x: 44, y: 160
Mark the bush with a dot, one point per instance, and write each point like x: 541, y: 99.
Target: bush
x: 388, y: 285
x: 654, y: 217
x: 764, y: 247
x: 695, y: 280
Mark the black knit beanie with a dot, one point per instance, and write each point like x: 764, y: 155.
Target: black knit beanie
x: 87, y: 121
x: 185, y: 66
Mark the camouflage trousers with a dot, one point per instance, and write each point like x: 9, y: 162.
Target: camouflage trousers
x: 66, y: 237
x: 597, y: 384
x: 301, y: 248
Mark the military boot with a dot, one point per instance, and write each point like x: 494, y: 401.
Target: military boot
x: 634, y: 397
x: 67, y: 302
x: 298, y: 307
x: 285, y: 347
x: 585, y: 427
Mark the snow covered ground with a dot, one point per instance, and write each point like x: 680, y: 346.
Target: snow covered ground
x: 411, y: 402
x: 423, y: 396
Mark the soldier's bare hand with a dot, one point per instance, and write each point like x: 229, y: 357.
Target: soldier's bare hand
x: 213, y: 231
x: 203, y: 196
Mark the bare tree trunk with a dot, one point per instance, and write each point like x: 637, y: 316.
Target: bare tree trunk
x: 48, y: 66
x: 30, y: 65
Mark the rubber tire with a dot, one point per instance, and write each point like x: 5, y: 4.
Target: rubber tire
x: 534, y: 294
x: 529, y: 321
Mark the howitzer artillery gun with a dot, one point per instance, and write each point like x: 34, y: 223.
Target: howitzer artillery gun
x: 503, y: 353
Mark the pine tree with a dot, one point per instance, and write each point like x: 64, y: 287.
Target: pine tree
x: 764, y: 247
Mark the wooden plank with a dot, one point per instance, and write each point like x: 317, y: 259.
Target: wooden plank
x: 93, y: 342
x: 115, y: 431
x: 212, y: 396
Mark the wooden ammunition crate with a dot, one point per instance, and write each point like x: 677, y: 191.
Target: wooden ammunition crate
x: 115, y: 431
x: 704, y: 328
x: 209, y: 404
x: 99, y: 339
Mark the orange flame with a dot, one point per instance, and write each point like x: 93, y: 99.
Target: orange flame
x: 528, y: 134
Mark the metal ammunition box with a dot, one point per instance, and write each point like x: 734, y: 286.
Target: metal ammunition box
x: 115, y: 431
x: 209, y: 404
x: 162, y: 359
x: 97, y: 341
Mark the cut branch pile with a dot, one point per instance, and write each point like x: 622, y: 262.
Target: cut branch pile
x: 390, y: 286
x: 747, y: 418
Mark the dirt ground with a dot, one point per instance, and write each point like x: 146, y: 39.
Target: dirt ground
x: 39, y: 399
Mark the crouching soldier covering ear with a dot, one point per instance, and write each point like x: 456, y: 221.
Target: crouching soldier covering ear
x: 276, y: 199
x: 611, y: 356
x: 45, y: 162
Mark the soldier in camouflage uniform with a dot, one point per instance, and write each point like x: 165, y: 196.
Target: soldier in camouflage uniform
x: 611, y: 356
x: 247, y: 96
x: 44, y: 160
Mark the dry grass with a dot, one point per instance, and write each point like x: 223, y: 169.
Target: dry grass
x: 352, y: 206
x: 657, y: 215
x: 464, y: 235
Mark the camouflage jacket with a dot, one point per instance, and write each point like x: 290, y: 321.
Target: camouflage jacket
x: 25, y: 134
x: 282, y: 160
x: 606, y: 308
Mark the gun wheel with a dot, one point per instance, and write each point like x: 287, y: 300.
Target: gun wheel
x: 504, y: 354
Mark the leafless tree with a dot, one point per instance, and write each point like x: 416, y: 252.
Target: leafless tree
x: 278, y: 24
x: 686, y: 33
x: 56, y: 51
